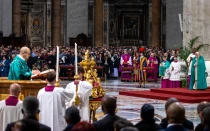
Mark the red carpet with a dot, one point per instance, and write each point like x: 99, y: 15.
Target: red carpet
x: 183, y: 94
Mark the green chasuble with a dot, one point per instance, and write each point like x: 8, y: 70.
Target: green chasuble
x: 19, y: 70
x: 162, y: 68
x: 198, y: 76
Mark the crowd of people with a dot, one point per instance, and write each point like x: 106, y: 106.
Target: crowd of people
x: 31, y: 107
x: 108, y: 57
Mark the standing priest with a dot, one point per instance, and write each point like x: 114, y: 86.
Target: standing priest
x: 198, y: 74
x: 19, y: 69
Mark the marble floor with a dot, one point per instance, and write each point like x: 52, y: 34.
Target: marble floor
x: 129, y: 107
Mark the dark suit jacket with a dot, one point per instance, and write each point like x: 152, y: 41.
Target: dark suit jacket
x: 107, y: 123
x: 42, y: 127
x: 187, y: 124
x: 199, y: 127
x: 175, y: 128
x: 207, y: 129
x: 148, y: 126
x: 69, y: 127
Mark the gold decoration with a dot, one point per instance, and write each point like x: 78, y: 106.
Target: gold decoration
x: 91, y: 75
x: 77, y: 99
x: 57, y: 84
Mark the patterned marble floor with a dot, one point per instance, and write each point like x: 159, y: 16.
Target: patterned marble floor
x: 129, y: 107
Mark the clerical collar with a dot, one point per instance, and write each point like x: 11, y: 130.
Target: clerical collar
x: 21, y: 57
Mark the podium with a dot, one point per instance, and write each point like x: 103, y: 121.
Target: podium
x: 28, y: 87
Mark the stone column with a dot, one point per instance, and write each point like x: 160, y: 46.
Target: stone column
x: 98, y: 23
x: 156, y: 23
x: 56, y: 23
x: 16, y: 17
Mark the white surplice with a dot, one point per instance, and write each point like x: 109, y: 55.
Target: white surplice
x: 84, y: 92
x: 190, y: 62
x: 175, y: 74
x: 52, y: 107
x: 9, y: 114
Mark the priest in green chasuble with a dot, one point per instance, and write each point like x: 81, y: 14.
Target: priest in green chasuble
x: 198, y: 73
x: 19, y: 69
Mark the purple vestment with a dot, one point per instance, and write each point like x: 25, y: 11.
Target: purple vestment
x: 152, y: 64
x: 11, y: 101
x: 49, y: 88
x: 125, y: 74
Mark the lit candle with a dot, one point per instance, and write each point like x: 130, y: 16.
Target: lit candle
x: 76, y: 66
x: 57, y: 64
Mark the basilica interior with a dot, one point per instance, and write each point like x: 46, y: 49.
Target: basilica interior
x: 99, y: 22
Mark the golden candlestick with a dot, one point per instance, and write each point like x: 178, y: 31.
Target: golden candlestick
x: 77, y: 99
x: 91, y: 75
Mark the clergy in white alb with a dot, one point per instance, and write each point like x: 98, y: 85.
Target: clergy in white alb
x: 10, y: 109
x: 52, y: 104
x: 189, y: 60
x: 84, y: 92
x: 175, y: 69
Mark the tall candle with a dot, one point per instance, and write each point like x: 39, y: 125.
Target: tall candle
x: 57, y: 64
x: 76, y: 65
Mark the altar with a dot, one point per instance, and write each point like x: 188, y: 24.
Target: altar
x: 28, y: 87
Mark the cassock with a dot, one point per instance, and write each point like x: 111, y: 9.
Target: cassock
x: 125, y: 61
x: 19, y: 69
x: 52, y: 106
x: 10, y: 111
x: 84, y: 92
x: 164, y: 73
x: 175, y: 74
x: 190, y: 66
x: 198, y: 74
x: 153, y: 62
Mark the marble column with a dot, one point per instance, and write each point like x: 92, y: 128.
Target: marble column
x: 156, y: 23
x: 56, y: 23
x: 98, y: 23
x: 16, y: 17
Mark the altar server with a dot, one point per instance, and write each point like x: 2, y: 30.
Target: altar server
x: 175, y: 69
x: 84, y: 91
x: 10, y: 109
x: 198, y: 73
x: 189, y: 60
x: 19, y: 69
x: 164, y: 73
x: 52, y: 104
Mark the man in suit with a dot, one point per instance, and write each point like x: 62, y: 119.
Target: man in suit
x: 206, y: 118
x: 148, y: 122
x: 201, y: 106
x: 109, y: 105
x: 175, y: 117
x: 72, y: 117
x: 30, y: 110
x: 186, y: 123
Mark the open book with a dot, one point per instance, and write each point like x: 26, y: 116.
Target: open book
x: 41, y: 75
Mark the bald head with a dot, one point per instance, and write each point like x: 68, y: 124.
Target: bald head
x: 201, y: 106
x: 109, y: 104
x: 197, y: 54
x: 15, y: 89
x: 175, y: 113
x: 170, y: 101
x: 25, y: 52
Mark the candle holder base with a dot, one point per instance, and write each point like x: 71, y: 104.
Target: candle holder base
x: 57, y: 84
